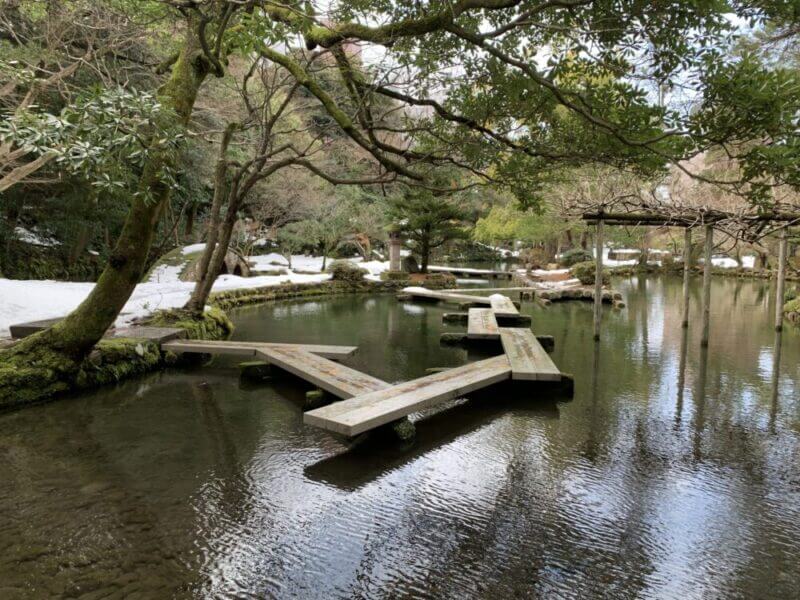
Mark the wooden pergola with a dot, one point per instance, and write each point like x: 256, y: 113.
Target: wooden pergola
x: 688, y: 221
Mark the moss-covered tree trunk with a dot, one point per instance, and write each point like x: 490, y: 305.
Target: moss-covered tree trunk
x: 222, y: 193
x: 202, y: 290
x: 44, y: 363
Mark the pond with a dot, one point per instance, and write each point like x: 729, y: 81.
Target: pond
x: 655, y: 481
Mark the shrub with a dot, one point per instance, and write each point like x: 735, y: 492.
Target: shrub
x: 395, y: 276
x: 534, y: 258
x: 575, y: 256
x: 790, y: 295
x: 436, y: 281
x: 584, y: 271
x: 344, y: 270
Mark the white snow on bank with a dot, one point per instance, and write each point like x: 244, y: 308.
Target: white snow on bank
x: 193, y: 248
x: 165, y: 274
x: 31, y: 300
x: 22, y: 301
x: 725, y: 262
x: 461, y: 270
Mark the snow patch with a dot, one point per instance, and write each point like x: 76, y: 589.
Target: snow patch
x: 34, y: 237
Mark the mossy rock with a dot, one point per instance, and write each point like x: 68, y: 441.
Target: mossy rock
x: 791, y: 311
x: 438, y: 281
x: 585, y: 272
x: 575, y: 256
x: 213, y: 324
x: 395, y: 276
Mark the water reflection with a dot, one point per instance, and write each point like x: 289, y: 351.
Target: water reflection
x: 193, y: 484
x: 776, y: 378
x: 681, y: 376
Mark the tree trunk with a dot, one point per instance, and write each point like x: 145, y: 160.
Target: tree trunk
x: 58, y: 351
x: 202, y: 289
x: 644, y: 251
x: 189, y: 227
x: 584, y: 240
x: 79, y: 246
x: 425, y: 253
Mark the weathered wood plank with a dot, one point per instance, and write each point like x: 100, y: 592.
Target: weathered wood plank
x: 419, y: 292
x: 236, y: 348
x: 153, y: 334
x: 22, y: 330
x: 527, y: 357
x: 467, y: 271
x: 482, y: 325
x: 502, y: 305
x: 339, y: 380
x: 367, y: 411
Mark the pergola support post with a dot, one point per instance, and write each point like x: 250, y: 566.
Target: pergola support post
x: 598, y: 278
x: 687, y: 260
x: 707, y: 285
x: 781, y: 287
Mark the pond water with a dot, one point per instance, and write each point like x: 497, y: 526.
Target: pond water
x: 656, y: 481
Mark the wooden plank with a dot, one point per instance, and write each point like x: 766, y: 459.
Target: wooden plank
x: 367, y: 411
x: 482, y: 325
x: 420, y: 292
x: 236, y: 348
x: 22, y: 330
x: 527, y: 357
x: 486, y: 289
x: 153, y: 334
x: 503, y: 306
x: 469, y: 272
x: 332, y: 377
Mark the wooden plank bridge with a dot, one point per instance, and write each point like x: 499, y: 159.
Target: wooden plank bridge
x: 469, y: 272
x: 368, y: 402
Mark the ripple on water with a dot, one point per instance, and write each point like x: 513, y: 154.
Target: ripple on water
x: 192, y: 485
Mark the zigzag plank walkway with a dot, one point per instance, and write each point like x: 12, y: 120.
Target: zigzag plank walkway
x: 369, y: 402
x: 365, y: 412
x: 528, y: 359
x: 332, y: 377
x: 250, y: 349
x: 482, y: 324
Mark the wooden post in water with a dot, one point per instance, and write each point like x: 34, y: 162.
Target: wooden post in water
x: 598, y: 278
x: 781, y: 288
x: 687, y: 259
x: 707, y: 285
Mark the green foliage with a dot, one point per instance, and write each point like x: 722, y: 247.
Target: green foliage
x: 574, y: 256
x: 344, y: 270
x: 105, y: 138
x: 509, y: 224
x: 425, y: 220
x: 585, y: 272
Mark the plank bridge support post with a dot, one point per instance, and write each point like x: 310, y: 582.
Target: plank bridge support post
x: 707, y: 285
x: 781, y: 287
x: 598, y: 278
x: 687, y: 263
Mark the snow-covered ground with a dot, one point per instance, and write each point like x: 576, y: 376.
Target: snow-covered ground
x: 724, y: 262
x: 32, y: 300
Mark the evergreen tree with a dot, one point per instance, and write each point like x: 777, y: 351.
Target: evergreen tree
x: 426, y: 221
